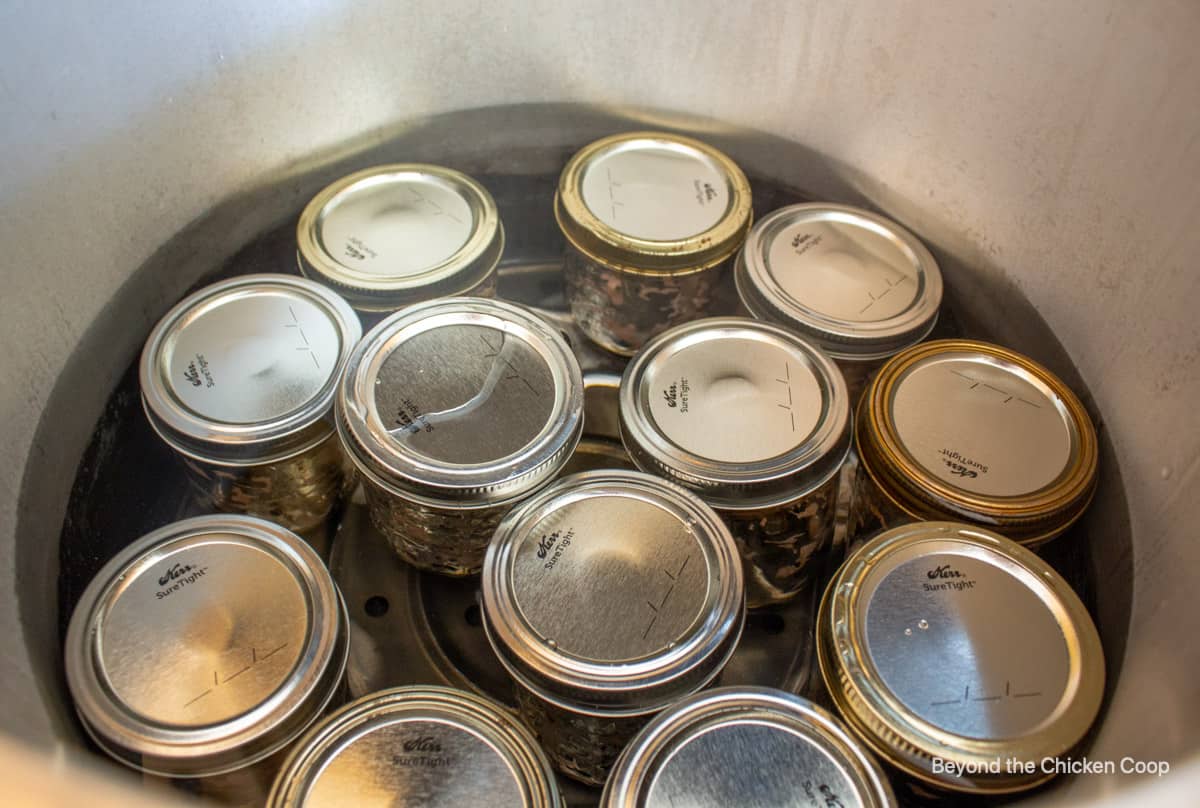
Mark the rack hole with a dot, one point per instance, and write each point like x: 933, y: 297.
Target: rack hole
x: 376, y: 606
x: 770, y: 622
x: 473, y: 616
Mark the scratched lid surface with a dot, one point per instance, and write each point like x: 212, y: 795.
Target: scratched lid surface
x: 745, y: 746
x: 1020, y: 670
x: 461, y: 400
x: 613, y: 589
x: 205, y: 646
x: 428, y: 746
x: 244, y: 371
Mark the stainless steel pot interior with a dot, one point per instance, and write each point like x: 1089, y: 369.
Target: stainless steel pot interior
x: 1046, y: 154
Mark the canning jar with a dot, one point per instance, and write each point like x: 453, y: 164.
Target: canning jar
x: 745, y: 746
x: 453, y: 410
x: 1018, y: 663
x: 858, y: 285
x: 426, y: 746
x: 206, y: 647
x: 239, y: 380
x: 394, y: 235
x: 964, y: 430
x: 756, y: 421
x: 651, y: 220
x: 608, y: 596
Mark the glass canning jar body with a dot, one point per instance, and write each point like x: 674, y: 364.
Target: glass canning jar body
x: 620, y: 309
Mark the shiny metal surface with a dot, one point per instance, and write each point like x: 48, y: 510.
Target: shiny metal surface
x: 974, y: 431
x: 219, y: 117
x: 984, y: 688
x: 413, y: 627
x: 206, y: 646
x: 396, y: 234
x: 984, y: 425
x: 653, y: 201
x: 1020, y: 670
x: 661, y: 590
x: 747, y: 746
x: 612, y: 590
x: 656, y: 189
x: 743, y: 412
x: 245, y: 370
x: 461, y: 400
x: 600, y: 405
x: 160, y: 680
x: 858, y: 284
x: 600, y: 447
x: 424, y: 746
x: 491, y: 399
x: 1011, y: 303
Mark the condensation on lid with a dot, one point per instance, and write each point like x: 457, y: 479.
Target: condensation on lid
x: 611, y: 579
x: 417, y: 746
x: 656, y: 189
x: 462, y: 398
x: 392, y: 234
x: 203, y: 638
x: 245, y: 364
x: 735, y: 408
x: 860, y: 284
x: 745, y: 746
x: 983, y: 425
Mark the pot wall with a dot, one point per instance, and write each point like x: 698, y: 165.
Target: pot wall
x: 1050, y: 148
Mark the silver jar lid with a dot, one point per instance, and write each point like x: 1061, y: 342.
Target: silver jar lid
x: 393, y: 235
x: 244, y: 371
x: 206, y: 646
x: 743, y: 412
x: 613, y: 591
x: 461, y: 400
x: 745, y: 746
x: 1019, y: 667
x: 858, y: 284
x: 427, y: 746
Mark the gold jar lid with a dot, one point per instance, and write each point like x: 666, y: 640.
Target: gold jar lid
x: 653, y: 202
x: 959, y: 429
x: 960, y: 657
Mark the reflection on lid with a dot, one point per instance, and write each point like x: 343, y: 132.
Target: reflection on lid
x: 860, y: 285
